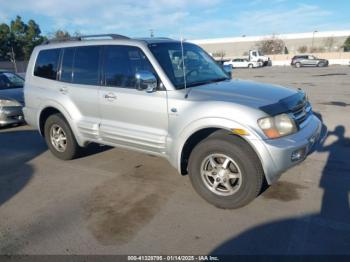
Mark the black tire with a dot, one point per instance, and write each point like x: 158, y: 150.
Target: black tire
x: 297, y: 65
x: 321, y: 64
x: 244, y: 156
x: 250, y: 65
x: 72, y: 148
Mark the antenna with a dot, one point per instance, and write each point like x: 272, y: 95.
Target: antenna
x: 183, y: 65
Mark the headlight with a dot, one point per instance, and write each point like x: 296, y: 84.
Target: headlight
x: 277, y: 126
x: 6, y: 102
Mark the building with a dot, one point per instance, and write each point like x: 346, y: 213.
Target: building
x: 331, y: 41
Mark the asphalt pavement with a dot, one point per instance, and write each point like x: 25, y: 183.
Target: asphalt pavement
x: 113, y: 201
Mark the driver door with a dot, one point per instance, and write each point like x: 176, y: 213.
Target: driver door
x: 130, y: 117
x: 312, y: 60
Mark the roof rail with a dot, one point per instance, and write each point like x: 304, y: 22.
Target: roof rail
x: 113, y: 36
x: 153, y: 38
x: 83, y: 37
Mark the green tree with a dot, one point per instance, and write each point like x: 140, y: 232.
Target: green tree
x: 18, y: 39
x: 18, y: 31
x: 5, y: 41
x: 347, y: 45
x: 32, y: 38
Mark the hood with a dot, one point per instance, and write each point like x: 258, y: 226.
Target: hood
x: 13, y: 94
x: 247, y: 93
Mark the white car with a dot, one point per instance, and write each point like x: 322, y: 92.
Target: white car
x: 242, y: 62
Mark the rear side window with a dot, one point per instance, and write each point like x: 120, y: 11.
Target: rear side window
x: 121, y: 63
x: 86, y: 63
x: 47, y: 63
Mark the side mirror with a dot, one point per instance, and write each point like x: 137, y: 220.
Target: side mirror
x: 146, y: 80
x: 228, y: 70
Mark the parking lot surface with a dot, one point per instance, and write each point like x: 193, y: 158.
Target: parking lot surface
x: 113, y: 201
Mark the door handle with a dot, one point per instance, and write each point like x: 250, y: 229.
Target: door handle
x: 63, y: 90
x: 110, y: 96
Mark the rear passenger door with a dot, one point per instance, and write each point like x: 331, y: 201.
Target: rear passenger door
x: 130, y: 117
x: 79, y: 81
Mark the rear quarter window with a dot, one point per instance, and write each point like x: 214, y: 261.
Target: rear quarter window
x: 47, y: 64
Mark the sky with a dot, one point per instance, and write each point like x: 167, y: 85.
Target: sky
x: 193, y: 19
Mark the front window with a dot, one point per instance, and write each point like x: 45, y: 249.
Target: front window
x: 121, y: 63
x: 191, y: 65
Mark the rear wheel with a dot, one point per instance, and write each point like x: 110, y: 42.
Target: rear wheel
x: 250, y: 66
x: 60, y: 138
x: 225, y: 171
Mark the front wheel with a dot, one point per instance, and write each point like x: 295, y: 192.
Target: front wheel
x: 297, y: 65
x: 250, y: 66
x: 225, y: 171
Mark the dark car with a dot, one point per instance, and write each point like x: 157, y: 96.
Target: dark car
x: 11, y: 98
x: 308, y: 60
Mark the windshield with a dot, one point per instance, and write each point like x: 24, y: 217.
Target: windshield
x: 200, y: 68
x: 9, y: 80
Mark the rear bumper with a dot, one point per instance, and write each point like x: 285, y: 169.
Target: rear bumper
x: 30, y: 116
x: 11, y: 115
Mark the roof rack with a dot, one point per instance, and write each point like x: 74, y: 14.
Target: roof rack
x: 113, y: 36
x: 83, y: 37
x: 153, y: 38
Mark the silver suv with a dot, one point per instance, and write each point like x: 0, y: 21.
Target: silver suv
x: 170, y: 99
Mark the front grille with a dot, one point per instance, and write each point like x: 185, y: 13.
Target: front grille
x: 301, y: 113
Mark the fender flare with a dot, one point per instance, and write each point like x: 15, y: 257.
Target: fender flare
x: 219, y: 123
x: 66, y: 115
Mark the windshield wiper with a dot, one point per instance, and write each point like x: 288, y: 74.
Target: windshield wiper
x: 207, y: 82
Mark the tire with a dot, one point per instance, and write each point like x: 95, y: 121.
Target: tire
x: 71, y: 149
x: 250, y: 65
x: 248, y: 180
x: 297, y: 65
x: 321, y: 64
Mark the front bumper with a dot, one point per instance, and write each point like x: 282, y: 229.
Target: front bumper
x: 11, y: 115
x: 280, y: 154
